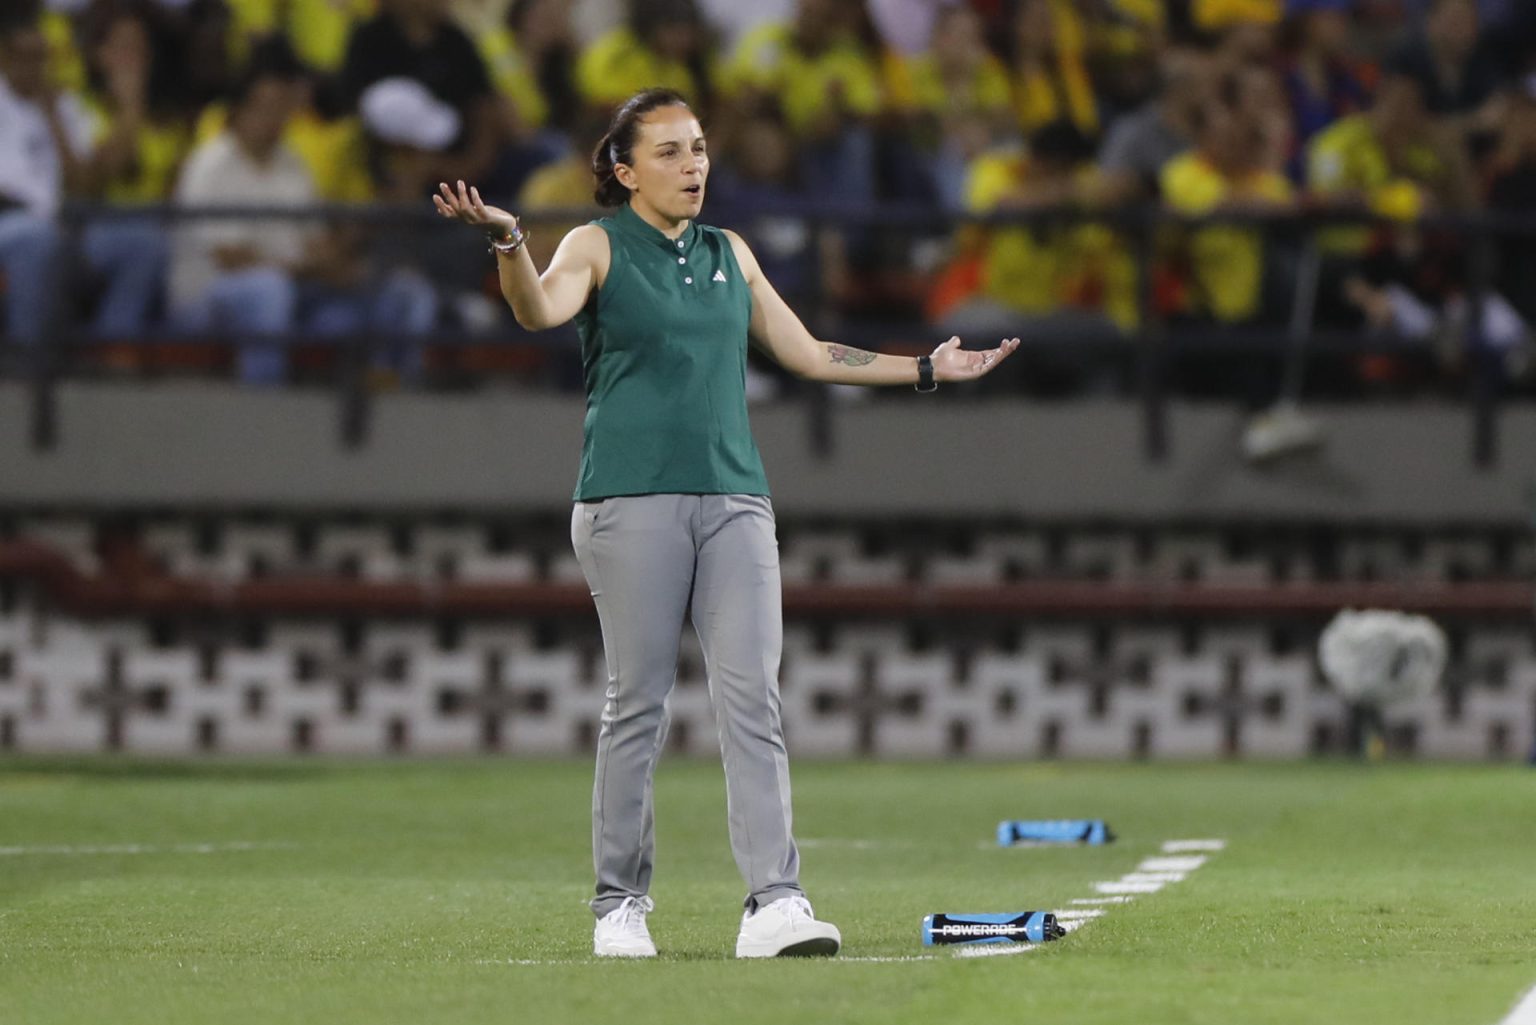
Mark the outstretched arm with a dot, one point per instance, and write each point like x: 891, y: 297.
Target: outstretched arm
x: 538, y: 301
x: 780, y: 333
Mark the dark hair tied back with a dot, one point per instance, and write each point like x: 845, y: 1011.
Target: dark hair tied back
x: 617, y: 146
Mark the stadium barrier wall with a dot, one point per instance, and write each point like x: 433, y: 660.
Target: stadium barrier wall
x: 135, y: 445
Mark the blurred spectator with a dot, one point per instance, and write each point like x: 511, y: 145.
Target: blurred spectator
x: 1126, y: 40
x: 1512, y: 187
x: 317, y: 30
x: 1051, y: 80
x: 662, y: 43
x: 1258, y: 96
x: 531, y: 56
x: 260, y: 278
x: 1141, y: 143
x: 956, y: 94
x: 1215, y: 17
x: 141, y: 126
x: 415, y: 41
x: 759, y: 180
x: 1456, y: 68
x: 1415, y: 291
x: 816, y: 71
x: 1513, y: 167
x: 565, y: 184
x: 1322, y: 82
x: 732, y: 20
x: 1393, y: 159
x: 907, y: 27
x: 45, y: 154
x: 333, y: 149
x: 65, y: 62
x: 531, y: 59
x: 1129, y: 28
x: 1224, y: 174
x: 1412, y: 284
x: 1044, y: 279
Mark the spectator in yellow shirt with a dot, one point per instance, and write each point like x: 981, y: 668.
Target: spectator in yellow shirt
x: 564, y: 184
x: 1215, y: 16
x: 1223, y: 174
x: 660, y: 44
x: 141, y: 131
x: 956, y: 96
x: 317, y: 30
x: 1395, y: 161
x: 531, y: 59
x: 818, y: 73
x: 66, y: 65
x: 1051, y: 79
x: 140, y: 135
x: 1373, y: 160
x: 1049, y: 280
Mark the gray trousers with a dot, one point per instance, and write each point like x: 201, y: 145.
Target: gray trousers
x: 651, y: 560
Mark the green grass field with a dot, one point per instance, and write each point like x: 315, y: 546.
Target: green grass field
x: 453, y: 892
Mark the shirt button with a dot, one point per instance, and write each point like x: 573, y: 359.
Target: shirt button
x: 679, y: 243
x: 687, y: 281
x: 682, y: 259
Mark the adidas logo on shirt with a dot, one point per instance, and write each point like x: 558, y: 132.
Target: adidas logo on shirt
x: 719, y: 276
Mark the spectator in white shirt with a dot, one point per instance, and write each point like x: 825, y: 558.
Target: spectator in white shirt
x: 45, y: 155
x: 259, y: 279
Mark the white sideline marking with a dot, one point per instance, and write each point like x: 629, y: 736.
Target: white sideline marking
x: 1171, y: 864
x: 1101, y: 900
x: 997, y: 949
x: 141, y: 848
x: 1185, y: 846
x: 1524, y: 1012
x: 1153, y: 877
x: 1117, y: 886
x: 888, y: 960
x: 1077, y: 915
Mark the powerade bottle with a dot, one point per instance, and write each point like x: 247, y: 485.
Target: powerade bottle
x: 1041, y: 831
x: 1009, y: 927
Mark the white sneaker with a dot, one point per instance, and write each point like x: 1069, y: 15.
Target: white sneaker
x: 622, y: 932
x: 786, y: 928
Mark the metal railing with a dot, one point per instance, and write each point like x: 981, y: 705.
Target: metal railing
x: 1151, y: 347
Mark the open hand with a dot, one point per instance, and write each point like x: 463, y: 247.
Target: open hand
x: 465, y: 204
x: 952, y: 363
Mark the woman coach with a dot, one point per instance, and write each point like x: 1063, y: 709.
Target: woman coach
x: 672, y: 514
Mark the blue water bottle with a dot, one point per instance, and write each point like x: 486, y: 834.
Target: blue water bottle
x: 1009, y: 927
x: 1052, y: 831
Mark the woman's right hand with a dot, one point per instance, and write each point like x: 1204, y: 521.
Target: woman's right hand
x: 464, y: 204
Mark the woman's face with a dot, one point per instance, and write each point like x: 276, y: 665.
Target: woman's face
x: 670, y: 164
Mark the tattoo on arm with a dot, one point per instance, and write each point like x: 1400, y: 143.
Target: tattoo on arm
x: 849, y: 357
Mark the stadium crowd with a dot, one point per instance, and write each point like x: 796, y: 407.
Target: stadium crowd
x: 1396, y: 108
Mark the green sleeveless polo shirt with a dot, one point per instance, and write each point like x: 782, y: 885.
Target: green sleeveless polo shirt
x: 664, y: 350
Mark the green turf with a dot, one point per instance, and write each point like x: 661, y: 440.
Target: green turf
x: 402, y: 892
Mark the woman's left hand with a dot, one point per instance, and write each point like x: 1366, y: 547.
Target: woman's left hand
x: 952, y: 363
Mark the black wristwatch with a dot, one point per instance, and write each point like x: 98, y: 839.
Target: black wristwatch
x: 925, y: 381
